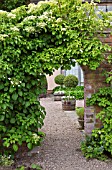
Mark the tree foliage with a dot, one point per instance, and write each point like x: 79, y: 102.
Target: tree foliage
x: 8, y: 5
x: 34, y: 41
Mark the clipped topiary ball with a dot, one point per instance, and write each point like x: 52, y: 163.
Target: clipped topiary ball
x: 70, y: 81
x: 59, y: 79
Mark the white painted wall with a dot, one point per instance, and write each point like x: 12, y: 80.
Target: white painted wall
x: 50, y: 79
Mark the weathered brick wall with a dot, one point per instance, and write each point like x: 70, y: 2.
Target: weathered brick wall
x: 93, y: 80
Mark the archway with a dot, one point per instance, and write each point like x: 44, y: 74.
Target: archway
x: 46, y: 38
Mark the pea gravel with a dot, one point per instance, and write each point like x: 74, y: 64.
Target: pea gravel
x: 60, y: 149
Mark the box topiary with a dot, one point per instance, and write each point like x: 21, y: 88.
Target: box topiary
x: 70, y: 81
x: 59, y: 79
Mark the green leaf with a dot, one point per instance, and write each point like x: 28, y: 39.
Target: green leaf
x: 33, y: 82
x: 6, y: 89
x: 4, y: 106
x: 13, y: 120
x: 1, y: 86
x: 15, y: 147
x: 29, y: 145
x: 11, y: 89
x: 34, y: 166
x: 23, y: 84
x: 15, y: 96
x: 2, y: 117
x: 20, y: 93
x: 27, y: 104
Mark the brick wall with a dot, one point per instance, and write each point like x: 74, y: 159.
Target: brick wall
x: 93, y: 80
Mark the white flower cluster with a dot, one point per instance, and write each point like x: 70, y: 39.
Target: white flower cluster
x: 32, y: 8
x: 32, y: 17
x: 29, y: 29
x: 14, y: 29
x: 68, y: 98
x: 42, y: 2
x: 3, y: 12
x: 10, y: 15
x: 15, y: 82
x: 42, y: 17
x: 59, y: 20
x: 63, y: 29
x: 41, y: 24
x: 46, y: 15
x: 3, y: 36
x: 36, y: 138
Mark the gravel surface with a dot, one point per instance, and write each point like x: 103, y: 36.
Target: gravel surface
x: 61, y: 147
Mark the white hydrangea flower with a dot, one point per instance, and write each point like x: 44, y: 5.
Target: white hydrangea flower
x: 42, y: 2
x: 63, y: 29
x: 42, y: 17
x: 3, y: 12
x: 10, y: 15
x: 3, y: 36
x: 32, y: 8
x: 35, y: 137
x: 41, y: 24
x: 81, y: 50
x: 32, y: 17
x: 14, y: 29
x: 59, y: 20
x: 29, y: 29
x: 54, y: 1
x: 31, y: 5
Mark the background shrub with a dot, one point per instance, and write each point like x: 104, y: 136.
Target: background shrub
x: 77, y: 94
x: 71, y: 81
x: 59, y: 79
x: 8, y: 5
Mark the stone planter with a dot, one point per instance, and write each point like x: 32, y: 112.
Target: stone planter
x: 68, y: 105
x: 81, y: 123
x: 58, y: 96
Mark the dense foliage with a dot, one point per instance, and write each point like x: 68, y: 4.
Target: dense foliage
x: 99, y: 144
x: 8, y: 5
x: 77, y: 92
x: 59, y: 79
x: 34, y: 41
x: 71, y: 81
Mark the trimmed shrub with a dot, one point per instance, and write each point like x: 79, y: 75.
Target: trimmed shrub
x: 77, y: 94
x: 71, y: 81
x: 59, y: 79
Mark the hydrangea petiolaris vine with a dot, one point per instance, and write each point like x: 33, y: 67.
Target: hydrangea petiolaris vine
x: 35, y: 40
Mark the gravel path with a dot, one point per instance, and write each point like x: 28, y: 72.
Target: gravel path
x: 61, y: 148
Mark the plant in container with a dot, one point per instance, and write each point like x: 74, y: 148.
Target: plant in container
x: 68, y: 103
x: 59, y: 79
x: 80, y: 113
x: 59, y: 93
